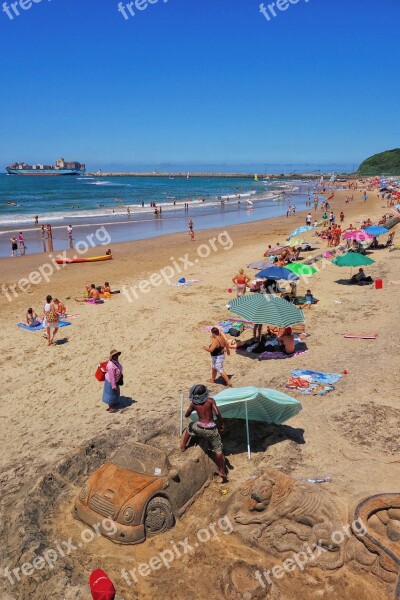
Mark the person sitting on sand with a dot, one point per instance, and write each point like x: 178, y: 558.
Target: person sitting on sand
x: 310, y: 300
x: 206, y: 428
x: 61, y: 310
x: 286, y: 342
x: 105, y: 290
x: 31, y: 319
x: 217, y: 349
x: 93, y: 295
x: 241, y: 280
x: 360, y: 277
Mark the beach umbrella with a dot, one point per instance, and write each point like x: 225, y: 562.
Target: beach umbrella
x: 357, y: 234
x: 300, y: 230
x: 256, y: 404
x: 295, y: 242
x: 352, y: 259
x: 261, y: 264
x: 301, y: 269
x: 276, y: 250
x: 266, y: 309
x: 274, y: 273
x: 376, y: 230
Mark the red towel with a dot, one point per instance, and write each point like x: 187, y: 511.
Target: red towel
x: 101, y: 586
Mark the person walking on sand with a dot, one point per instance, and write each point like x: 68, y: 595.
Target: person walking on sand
x: 217, y: 349
x: 50, y: 320
x: 113, y: 381
x: 206, y: 428
x: 241, y: 280
x: 190, y: 225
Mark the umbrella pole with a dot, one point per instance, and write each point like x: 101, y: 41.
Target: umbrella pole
x: 247, y: 433
x: 181, y: 419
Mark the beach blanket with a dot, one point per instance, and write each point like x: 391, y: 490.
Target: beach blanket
x: 279, y: 355
x: 40, y: 327
x: 361, y: 336
x: 185, y: 282
x: 315, y: 383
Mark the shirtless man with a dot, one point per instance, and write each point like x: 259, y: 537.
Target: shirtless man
x: 93, y: 294
x: 286, y: 341
x: 206, y: 427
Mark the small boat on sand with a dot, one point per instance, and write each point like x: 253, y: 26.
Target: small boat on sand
x: 66, y: 261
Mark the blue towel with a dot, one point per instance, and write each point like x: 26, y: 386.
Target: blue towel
x: 317, y: 377
x: 39, y: 327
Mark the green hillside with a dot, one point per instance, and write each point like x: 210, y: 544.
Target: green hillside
x: 385, y: 163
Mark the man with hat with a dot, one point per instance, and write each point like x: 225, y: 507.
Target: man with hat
x: 206, y: 427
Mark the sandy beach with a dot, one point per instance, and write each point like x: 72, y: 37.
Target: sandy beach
x: 51, y: 403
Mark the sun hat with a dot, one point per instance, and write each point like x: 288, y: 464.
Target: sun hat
x: 115, y: 352
x: 199, y: 394
x: 101, y: 586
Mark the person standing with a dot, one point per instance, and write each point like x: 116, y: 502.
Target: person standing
x: 241, y: 280
x: 217, y: 349
x: 113, y: 381
x: 206, y: 427
x: 69, y: 231
x: 14, y: 246
x: 190, y: 224
x: 51, y: 319
x: 36, y: 220
x: 21, y: 243
x: 309, y: 219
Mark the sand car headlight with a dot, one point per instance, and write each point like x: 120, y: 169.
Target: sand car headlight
x: 128, y: 515
x: 84, y: 492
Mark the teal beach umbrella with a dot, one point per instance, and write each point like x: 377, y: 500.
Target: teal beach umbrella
x: 265, y: 309
x: 352, y: 259
x: 256, y: 404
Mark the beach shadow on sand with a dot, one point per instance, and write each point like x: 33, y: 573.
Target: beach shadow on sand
x: 60, y: 342
x: 125, y: 402
x: 262, y: 436
x: 301, y: 347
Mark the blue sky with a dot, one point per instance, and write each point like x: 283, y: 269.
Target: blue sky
x: 206, y: 81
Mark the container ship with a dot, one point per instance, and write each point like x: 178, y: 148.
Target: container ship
x: 61, y: 167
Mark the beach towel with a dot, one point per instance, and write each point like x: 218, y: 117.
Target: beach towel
x: 315, y: 383
x: 361, y: 336
x: 40, y: 327
x: 185, y: 282
x: 279, y: 355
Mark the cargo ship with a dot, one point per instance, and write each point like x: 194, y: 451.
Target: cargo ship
x: 61, y: 167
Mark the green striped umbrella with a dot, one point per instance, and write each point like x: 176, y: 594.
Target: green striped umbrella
x: 256, y: 404
x: 265, y: 309
x: 301, y: 269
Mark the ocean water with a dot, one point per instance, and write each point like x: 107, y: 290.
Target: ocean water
x: 87, y: 201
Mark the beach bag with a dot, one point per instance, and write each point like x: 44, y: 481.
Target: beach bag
x: 239, y: 327
x: 101, y: 371
x: 234, y: 332
x: 51, y: 315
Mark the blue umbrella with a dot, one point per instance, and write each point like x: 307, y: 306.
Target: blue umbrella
x: 300, y: 230
x: 376, y: 230
x: 276, y: 273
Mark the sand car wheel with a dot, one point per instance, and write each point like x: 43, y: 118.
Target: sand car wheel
x: 159, y: 516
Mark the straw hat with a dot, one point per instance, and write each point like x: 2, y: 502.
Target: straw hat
x: 114, y: 353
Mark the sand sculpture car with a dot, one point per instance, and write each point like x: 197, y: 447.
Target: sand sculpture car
x: 141, y: 492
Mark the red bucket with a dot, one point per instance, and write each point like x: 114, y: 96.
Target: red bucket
x: 378, y: 284
x: 101, y: 371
